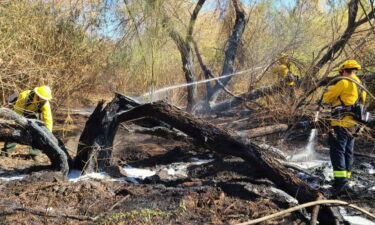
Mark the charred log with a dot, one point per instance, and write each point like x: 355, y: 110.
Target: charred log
x: 252, y: 95
x: 16, y: 128
x: 261, y: 131
x: 226, y: 142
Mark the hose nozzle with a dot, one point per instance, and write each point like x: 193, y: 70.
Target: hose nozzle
x: 316, y: 118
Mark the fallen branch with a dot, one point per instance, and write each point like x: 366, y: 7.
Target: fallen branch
x: 126, y: 197
x: 44, y: 214
x: 314, y: 213
x: 273, y: 89
x: 309, y: 204
x: 299, y: 169
x: 261, y: 131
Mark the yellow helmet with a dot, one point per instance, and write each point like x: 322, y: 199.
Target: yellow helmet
x: 349, y: 64
x: 283, y: 58
x: 44, y: 92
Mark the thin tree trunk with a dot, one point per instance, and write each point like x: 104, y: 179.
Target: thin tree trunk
x: 187, y: 56
x: 231, y: 51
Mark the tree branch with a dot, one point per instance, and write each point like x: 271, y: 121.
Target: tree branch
x: 16, y: 128
x: 43, y: 213
x: 339, y: 44
x: 272, y: 89
x: 309, y: 204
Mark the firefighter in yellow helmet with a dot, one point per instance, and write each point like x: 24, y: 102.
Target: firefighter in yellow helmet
x: 33, y: 104
x: 342, y: 96
x: 286, y: 76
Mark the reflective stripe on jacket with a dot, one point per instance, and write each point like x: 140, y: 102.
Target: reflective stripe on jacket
x: 45, y: 110
x: 348, y: 93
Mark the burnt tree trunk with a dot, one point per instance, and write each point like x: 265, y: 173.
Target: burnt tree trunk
x: 187, y: 57
x: 164, y: 133
x: 16, y: 128
x: 230, y: 52
x: 185, y: 48
x: 96, y: 141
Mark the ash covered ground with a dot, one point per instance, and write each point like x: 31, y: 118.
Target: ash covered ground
x: 158, y: 181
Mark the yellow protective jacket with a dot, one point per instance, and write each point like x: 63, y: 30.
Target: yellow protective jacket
x: 45, y: 110
x: 282, y: 70
x: 347, y: 91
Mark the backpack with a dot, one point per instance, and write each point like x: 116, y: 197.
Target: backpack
x: 12, y: 98
x: 358, y: 110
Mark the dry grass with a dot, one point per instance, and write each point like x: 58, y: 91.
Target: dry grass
x: 42, y: 45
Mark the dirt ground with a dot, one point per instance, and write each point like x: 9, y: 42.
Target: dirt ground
x: 222, y: 190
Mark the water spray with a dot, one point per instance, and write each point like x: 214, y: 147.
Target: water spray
x: 198, y: 82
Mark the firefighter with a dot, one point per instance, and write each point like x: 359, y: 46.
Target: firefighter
x: 285, y: 74
x: 33, y: 104
x: 343, y: 95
